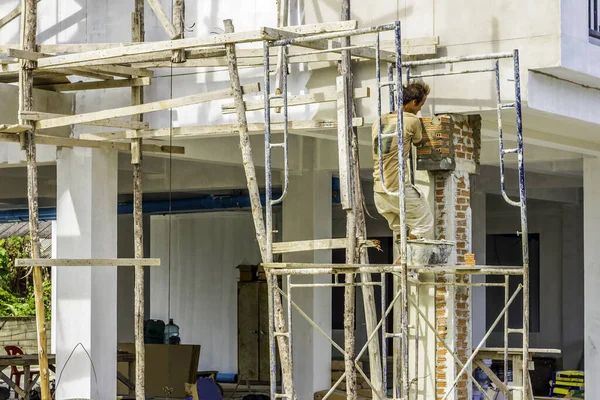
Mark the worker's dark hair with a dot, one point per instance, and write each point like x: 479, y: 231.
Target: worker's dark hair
x: 415, y: 91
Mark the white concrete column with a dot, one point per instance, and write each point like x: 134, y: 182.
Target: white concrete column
x: 86, y: 297
x: 591, y: 214
x: 306, y: 216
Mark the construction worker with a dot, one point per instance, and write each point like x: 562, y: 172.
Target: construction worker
x: 419, y: 219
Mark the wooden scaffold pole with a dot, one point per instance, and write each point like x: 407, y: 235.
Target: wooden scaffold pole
x: 28, y: 43
x: 347, y: 184
x: 355, y: 226
x: 137, y: 35
x: 257, y: 213
x: 360, y: 230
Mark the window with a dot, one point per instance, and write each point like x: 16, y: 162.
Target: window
x: 593, y: 18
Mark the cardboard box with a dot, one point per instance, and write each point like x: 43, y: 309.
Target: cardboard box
x: 167, y: 366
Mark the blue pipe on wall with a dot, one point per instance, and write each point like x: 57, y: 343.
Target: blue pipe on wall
x: 158, y: 207
x: 151, y: 207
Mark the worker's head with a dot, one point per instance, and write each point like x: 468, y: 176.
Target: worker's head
x: 414, y: 96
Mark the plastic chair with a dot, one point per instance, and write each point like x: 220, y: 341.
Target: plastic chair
x: 15, y: 372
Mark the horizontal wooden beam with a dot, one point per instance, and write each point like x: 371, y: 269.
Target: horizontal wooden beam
x: 151, y: 47
x: 111, y: 123
x: 263, y: 33
x: 93, y: 144
x: 217, y: 130
x: 81, y: 72
x: 258, y: 61
x: 14, y: 128
x: 113, y: 84
x: 87, y: 262
x: 118, y: 70
x: 315, y: 29
x: 20, y: 54
x: 156, y: 56
x: 329, y: 94
x: 143, y: 108
x: 337, y: 26
x: 319, y: 244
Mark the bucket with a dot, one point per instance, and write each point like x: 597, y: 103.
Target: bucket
x: 428, y: 252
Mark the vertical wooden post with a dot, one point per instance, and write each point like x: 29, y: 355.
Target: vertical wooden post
x: 179, y: 24
x: 28, y: 38
x: 137, y: 96
x: 345, y: 123
x: 282, y: 20
x: 358, y: 216
x: 257, y: 214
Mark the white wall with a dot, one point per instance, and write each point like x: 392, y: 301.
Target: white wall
x: 464, y: 27
x: 196, y: 284
x: 578, y: 50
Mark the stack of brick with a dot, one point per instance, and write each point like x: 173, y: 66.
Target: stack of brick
x: 21, y: 332
x: 450, y: 151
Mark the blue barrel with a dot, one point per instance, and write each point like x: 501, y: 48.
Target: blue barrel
x: 228, y: 378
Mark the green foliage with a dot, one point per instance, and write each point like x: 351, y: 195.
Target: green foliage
x: 17, y: 297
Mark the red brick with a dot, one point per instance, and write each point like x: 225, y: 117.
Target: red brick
x: 461, y: 200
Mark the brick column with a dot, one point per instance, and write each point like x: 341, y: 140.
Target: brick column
x: 451, y: 152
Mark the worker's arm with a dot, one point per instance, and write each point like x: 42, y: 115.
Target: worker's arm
x: 414, y: 129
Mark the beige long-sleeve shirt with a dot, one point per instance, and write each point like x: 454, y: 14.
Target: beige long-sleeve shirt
x: 413, y: 133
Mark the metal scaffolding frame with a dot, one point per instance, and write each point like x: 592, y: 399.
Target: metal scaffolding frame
x: 409, y: 275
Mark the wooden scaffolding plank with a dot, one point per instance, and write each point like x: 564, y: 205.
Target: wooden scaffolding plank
x: 93, y: 144
x: 366, y: 52
x: 112, y: 123
x: 322, y: 96
x: 14, y: 128
x: 263, y: 33
x: 218, y: 130
x: 318, y: 244
x: 216, y: 40
x: 336, y: 26
x: 87, y: 262
x: 118, y: 83
x: 143, y: 108
x: 118, y: 70
x: 20, y: 54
